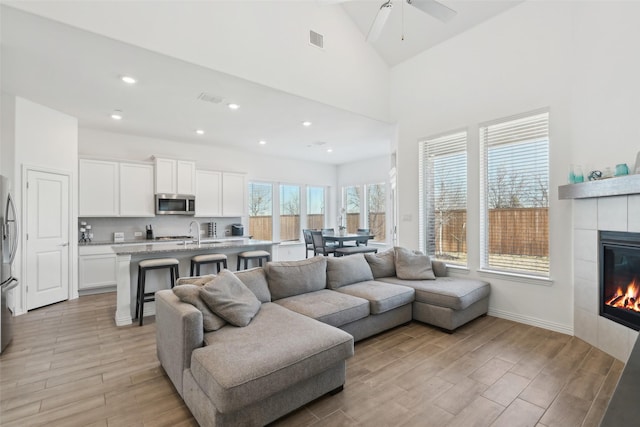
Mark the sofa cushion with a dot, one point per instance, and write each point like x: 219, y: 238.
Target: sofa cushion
x: 240, y: 366
x: 347, y: 270
x: 230, y: 299
x: 382, y: 296
x: 256, y: 280
x: 330, y: 307
x: 288, y: 278
x: 450, y: 292
x: 191, y: 295
x: 413, y: 265
x: 382, y: 264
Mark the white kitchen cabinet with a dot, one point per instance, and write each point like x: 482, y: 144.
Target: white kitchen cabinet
x: 98, y: 188
x: 186, y: 177
x: 234, y: 190
x: 208, y: 193
x: 175, y: 176
x: 136, y: 190
x: 96, y: 269
x: 111, y: 189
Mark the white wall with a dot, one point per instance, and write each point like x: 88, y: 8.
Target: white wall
x: 517, y: 62
x: 576, y: 58
x: 262, y: 41
x: 45, y: 139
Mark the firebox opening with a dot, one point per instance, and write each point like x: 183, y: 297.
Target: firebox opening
x: 620, y: 277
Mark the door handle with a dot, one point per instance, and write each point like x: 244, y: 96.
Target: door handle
x: 64, y: 244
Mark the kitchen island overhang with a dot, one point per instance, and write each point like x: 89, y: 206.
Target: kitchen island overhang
x: 127, y: 258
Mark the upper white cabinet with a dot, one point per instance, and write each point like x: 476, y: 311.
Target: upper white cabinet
x: 108, y: 189
x: 99, y: 188
x: 175, y: 176
x: 234, y: 190
x: 186, y: 177
x: 208, y: 193
x: 136, y: 190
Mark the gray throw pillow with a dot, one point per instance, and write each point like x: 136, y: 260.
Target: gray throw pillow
x: 383, y: 264
x: 347, y: 270
x: 289, y: 278
x: 195, y: 280
x: 412, y: 265
x: 256, y: 280
x: 230, y: 299
x: 191, y: 295
x: 439, y: 268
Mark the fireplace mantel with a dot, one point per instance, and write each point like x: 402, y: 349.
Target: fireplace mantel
x: 617, y: 186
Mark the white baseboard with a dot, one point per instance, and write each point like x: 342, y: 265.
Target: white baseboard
x: 533, y: 321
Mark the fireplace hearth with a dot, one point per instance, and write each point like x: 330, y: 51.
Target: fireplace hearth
x: 620, y: 277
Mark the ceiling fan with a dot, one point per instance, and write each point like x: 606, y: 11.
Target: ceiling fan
x: 431, y: 7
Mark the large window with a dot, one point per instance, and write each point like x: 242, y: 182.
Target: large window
x: 315, y: 207
x: 289, y: 212
x: 443, y: 197
x: 364, y: 206
x: 350, y: 218
x: 261, y: 210
x: 376, y: 211
x: 515, y: 195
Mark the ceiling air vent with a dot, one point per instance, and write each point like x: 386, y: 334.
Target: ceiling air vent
x: 316, y: 39
x: 204, y: 96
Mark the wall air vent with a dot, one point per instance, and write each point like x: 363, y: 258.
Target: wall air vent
x: 316, y: 39
x: 207, y: 97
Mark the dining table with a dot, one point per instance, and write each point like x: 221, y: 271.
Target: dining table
x: 346, y: 237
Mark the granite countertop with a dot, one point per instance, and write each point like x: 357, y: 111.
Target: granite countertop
x: 205, y: 245
x: 158, y: 240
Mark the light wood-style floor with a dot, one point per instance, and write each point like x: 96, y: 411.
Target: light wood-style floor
x: 70, y: 365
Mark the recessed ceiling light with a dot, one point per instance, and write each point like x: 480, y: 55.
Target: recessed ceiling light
x: 233, y: 106
x: 306, y: 123
x: 262, y: 142
x: 199, y: 131
x: 128, y: 79
x: 329, y: 150
x: 116, y: 115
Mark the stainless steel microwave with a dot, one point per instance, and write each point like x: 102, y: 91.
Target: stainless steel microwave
x: 175, y: 204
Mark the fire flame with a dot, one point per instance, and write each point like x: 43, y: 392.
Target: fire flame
x: 627, y: 299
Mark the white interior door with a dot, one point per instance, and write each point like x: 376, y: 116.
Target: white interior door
x: 47, y: 238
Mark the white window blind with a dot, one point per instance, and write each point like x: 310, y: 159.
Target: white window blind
x: 443, y: 197
x: 515, y: 199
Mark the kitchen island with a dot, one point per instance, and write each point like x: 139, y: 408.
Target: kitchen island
x: 128, y: 256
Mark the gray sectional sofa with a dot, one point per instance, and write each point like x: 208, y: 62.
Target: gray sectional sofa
x: 246, y: 348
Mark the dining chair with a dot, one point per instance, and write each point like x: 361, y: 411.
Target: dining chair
x: 364, y: 240
x: 308, y: 241
x: 329, y: 231
x: 319, y: 246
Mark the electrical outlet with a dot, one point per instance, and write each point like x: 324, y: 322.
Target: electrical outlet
x: 137, y: 234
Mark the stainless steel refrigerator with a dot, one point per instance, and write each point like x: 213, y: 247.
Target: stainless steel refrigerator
x: 9, y: 246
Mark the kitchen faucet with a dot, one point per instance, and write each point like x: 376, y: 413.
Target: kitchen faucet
x: 198, y: 230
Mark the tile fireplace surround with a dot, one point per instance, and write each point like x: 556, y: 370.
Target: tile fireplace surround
x: 590, y: 215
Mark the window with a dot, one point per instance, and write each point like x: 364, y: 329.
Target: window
x: 289, y: 212
x: 315, y: 207
x: 443, y: 197
x: 376, y: 211
x: 351, y: 217
x: 515, y: 195
x: 261, y: 210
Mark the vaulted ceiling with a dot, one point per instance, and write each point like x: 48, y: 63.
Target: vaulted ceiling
x: 65, y: 60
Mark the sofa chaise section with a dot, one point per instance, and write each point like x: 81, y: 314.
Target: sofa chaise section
x: 447, y: 302
x: 242, y: 368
